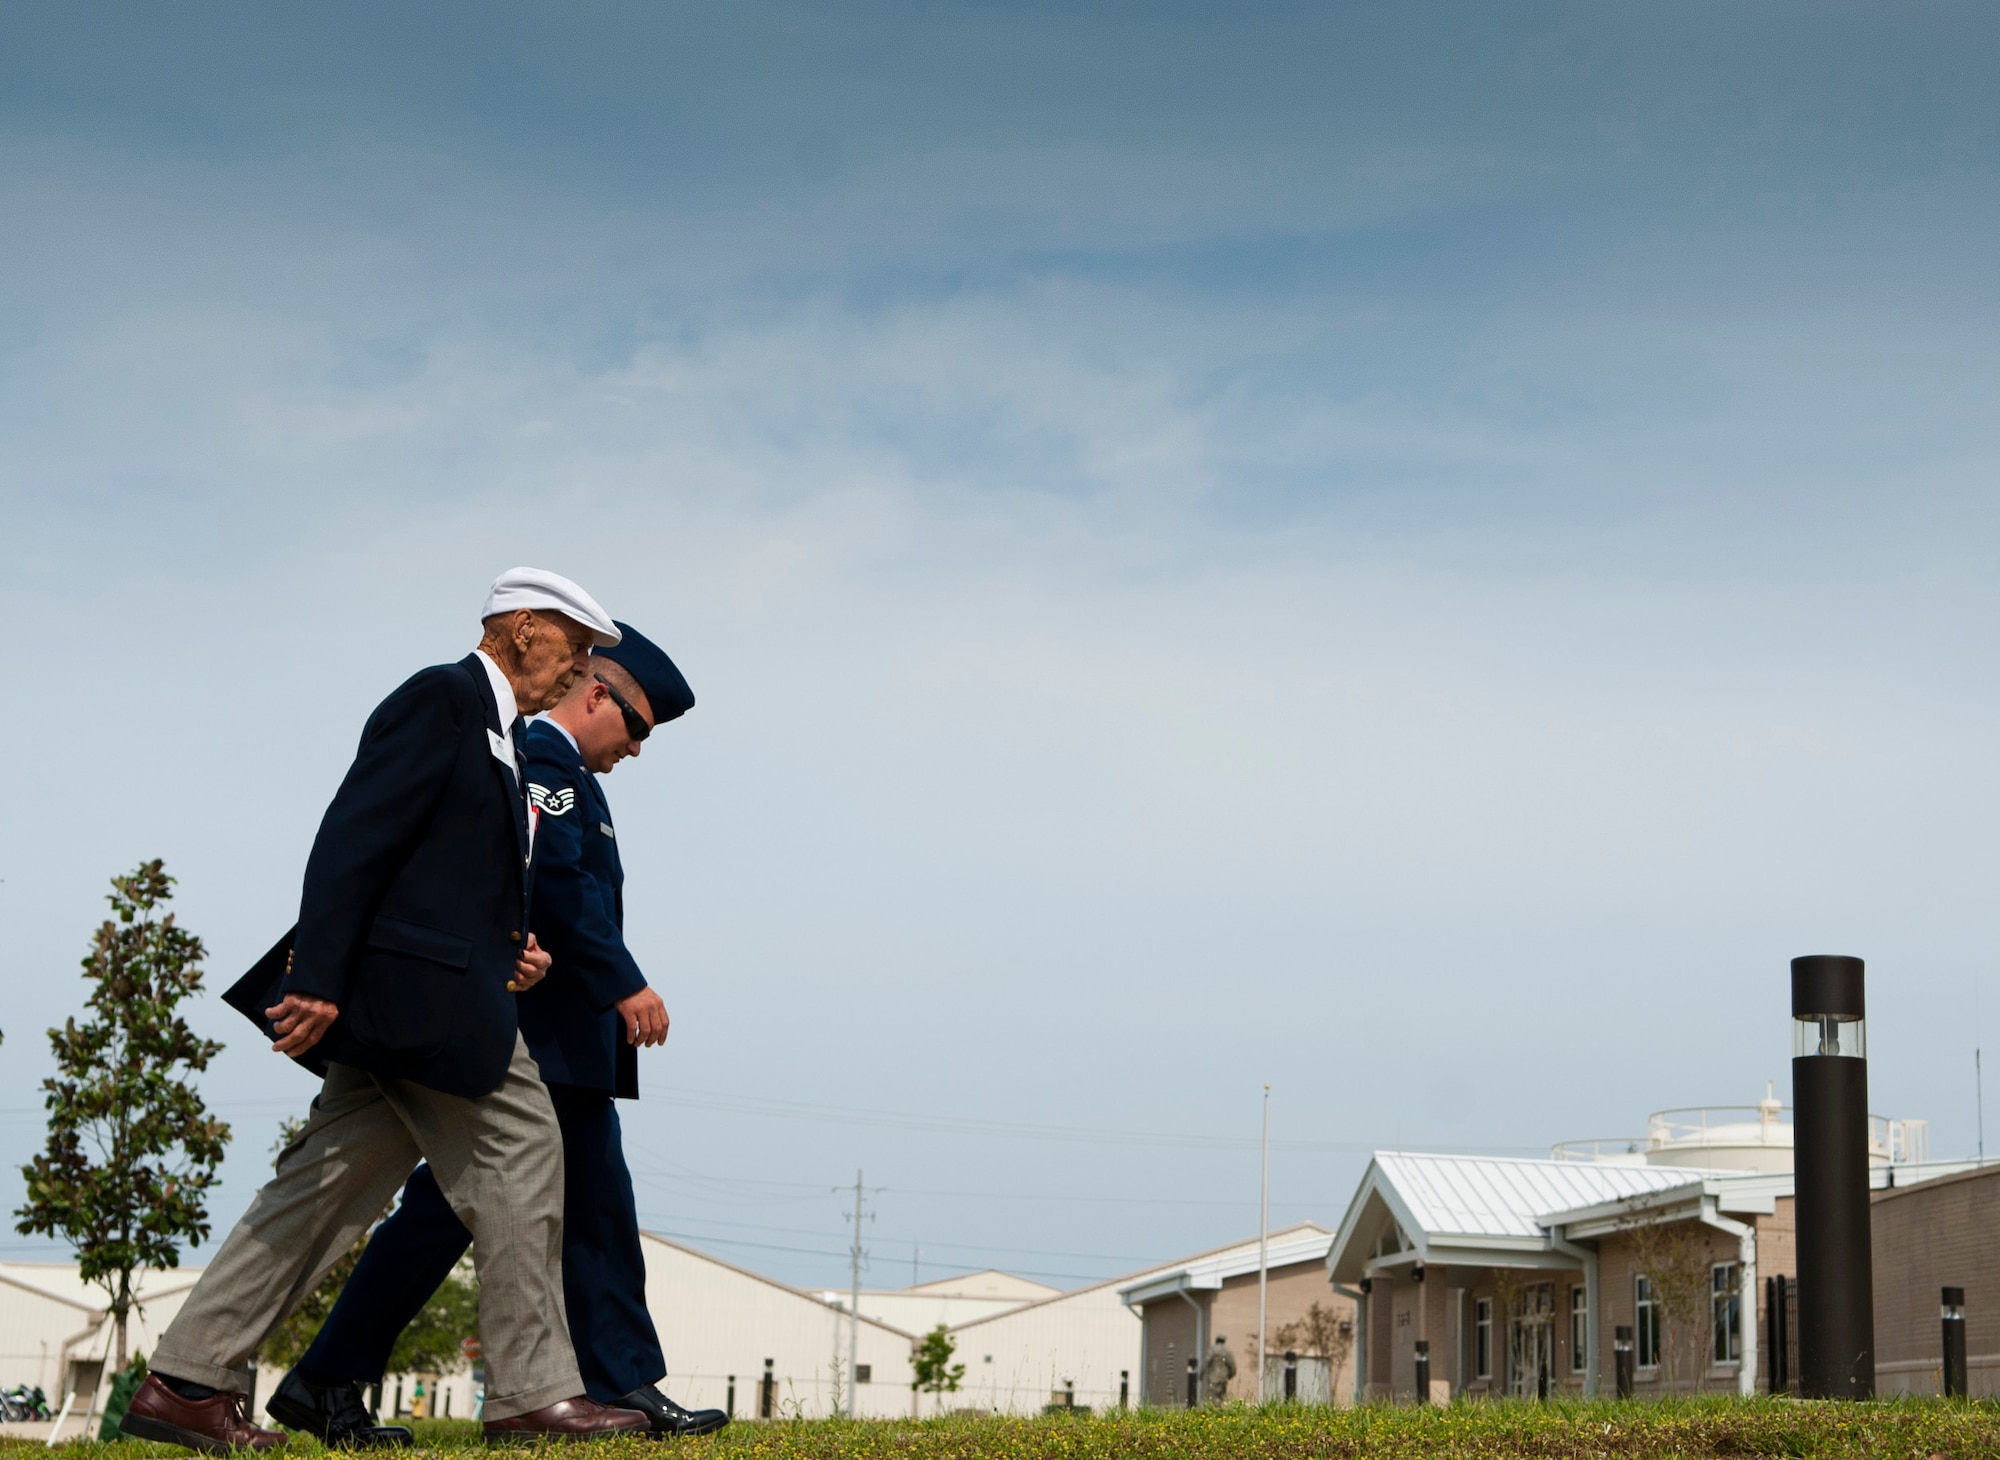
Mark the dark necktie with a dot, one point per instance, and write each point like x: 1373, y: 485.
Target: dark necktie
x: 518, y: 733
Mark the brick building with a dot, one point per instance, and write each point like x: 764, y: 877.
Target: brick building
x: 1937, y: 1234
x: 1516, y: 1275
x: 1184, y: 1308
x: 1460, y: 1255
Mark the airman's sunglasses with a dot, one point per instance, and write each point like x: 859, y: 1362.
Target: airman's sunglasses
x: 635, y: 723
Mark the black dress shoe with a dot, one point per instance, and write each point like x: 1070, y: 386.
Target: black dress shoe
x: 664, y: 1417
x: 333, y: 1411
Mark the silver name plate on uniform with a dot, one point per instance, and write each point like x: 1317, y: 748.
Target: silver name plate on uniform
x: 605, y: 827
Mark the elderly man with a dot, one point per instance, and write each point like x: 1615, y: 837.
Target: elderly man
x: 398, y: 985
x: 584, y: 1027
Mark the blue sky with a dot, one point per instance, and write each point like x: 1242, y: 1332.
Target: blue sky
x: 1414, y: 553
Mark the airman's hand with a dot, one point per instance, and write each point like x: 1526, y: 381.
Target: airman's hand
x: 645, y: 1017
x: 301, y: 1021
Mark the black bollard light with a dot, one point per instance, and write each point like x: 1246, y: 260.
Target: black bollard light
x: 1622, y: 1371
x: 1124, y: 1388
x: 1423, y: 1371
x: 1194, y: 1383
x: 1291, y: 1376
x: 1777, y: 1332
x: 1953, y: 1312
x: 1830, y: 1179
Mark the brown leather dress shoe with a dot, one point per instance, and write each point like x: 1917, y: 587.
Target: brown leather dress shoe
x: 217, y: 1424
x: 566, y: 1419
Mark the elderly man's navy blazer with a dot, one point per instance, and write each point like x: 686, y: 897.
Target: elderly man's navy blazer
x: 572, y: 1030
x: 416, y: 894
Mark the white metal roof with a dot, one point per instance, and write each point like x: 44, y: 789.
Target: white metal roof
x: 1492, y: 1196
x: 1306, y: 1242
x: 1481, y: 1208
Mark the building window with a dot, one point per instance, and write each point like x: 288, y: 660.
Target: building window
x: 1645, y: 1323
x: 1727, y: 1306
x: 1579, y: 1329
x: 1482, y: 1338
x: 863, y: 1373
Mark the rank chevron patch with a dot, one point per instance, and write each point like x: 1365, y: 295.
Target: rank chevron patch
x: 552, y: 803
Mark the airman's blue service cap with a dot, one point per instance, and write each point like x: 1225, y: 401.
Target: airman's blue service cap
x: 667, y: 693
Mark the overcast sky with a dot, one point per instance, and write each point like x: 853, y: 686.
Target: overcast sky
x: 1414, y: 553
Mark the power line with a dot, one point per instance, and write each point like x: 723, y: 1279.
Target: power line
x: 723, y: 1103
x: 814, y: 1190
x: 694, y: 1240
x: 950, y: 1246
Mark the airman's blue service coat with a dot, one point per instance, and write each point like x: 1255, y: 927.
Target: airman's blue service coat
x: 572, y: 1030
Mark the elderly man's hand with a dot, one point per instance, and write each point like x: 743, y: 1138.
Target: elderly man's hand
x: 301, y: 1021
x: 530, y: 968
x: 645, y: 1017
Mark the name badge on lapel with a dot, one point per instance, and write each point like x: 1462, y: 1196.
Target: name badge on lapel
x: 503, y: 750
x: 605, y: 827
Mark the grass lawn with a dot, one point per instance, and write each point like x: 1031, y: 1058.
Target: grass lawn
x: 1583, y: 1430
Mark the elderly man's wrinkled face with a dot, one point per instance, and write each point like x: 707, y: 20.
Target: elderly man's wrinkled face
x: 554, y: 652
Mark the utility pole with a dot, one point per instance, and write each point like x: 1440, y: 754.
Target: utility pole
x: 1264, y: 1246
x: 1979, y: 1095
x: 854, y: 1301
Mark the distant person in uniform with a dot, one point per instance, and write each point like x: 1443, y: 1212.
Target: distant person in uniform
x: 584, y: 1025
x: 1217, y: 1370
x: 398, y: 985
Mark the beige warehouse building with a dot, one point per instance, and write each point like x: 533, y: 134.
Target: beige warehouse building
x: 1078, y: 1348
x: 1186, y: 1306
x: 54, y: 1336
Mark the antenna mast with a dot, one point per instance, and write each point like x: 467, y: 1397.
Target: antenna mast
x: 1264, y: 1247
x: 854, y: 1302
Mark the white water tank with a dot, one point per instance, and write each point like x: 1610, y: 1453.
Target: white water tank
x: 1723, y: 1137
x: 1739, y: 1138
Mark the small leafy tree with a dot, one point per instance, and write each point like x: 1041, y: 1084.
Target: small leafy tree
x: 936, y: 1373
x: 1322, y: 1334
x: 132, y: 1151
x: 434, y: 1343
x: 1673, y: 1257
x: 290, y: 1339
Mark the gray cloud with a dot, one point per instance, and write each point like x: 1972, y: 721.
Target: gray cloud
x: 1309, y: 545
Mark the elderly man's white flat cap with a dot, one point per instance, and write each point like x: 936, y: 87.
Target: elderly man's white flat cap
x: 551, y: 593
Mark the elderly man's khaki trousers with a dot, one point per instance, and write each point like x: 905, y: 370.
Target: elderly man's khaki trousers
x: 497, y: 1159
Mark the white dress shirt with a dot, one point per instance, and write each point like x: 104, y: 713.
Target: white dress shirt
x: 503, y: 693
x: 503, y: 697
x: 554, y: 724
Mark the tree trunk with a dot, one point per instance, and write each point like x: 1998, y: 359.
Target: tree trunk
x: 121, y: 1342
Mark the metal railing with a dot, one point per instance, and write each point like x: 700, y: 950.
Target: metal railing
x: 1603, y: 1148
x: 1699, y: 1125
x: 1898, y: 1142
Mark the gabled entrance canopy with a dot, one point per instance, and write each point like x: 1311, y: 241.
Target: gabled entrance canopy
x: 1478, y: 1211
